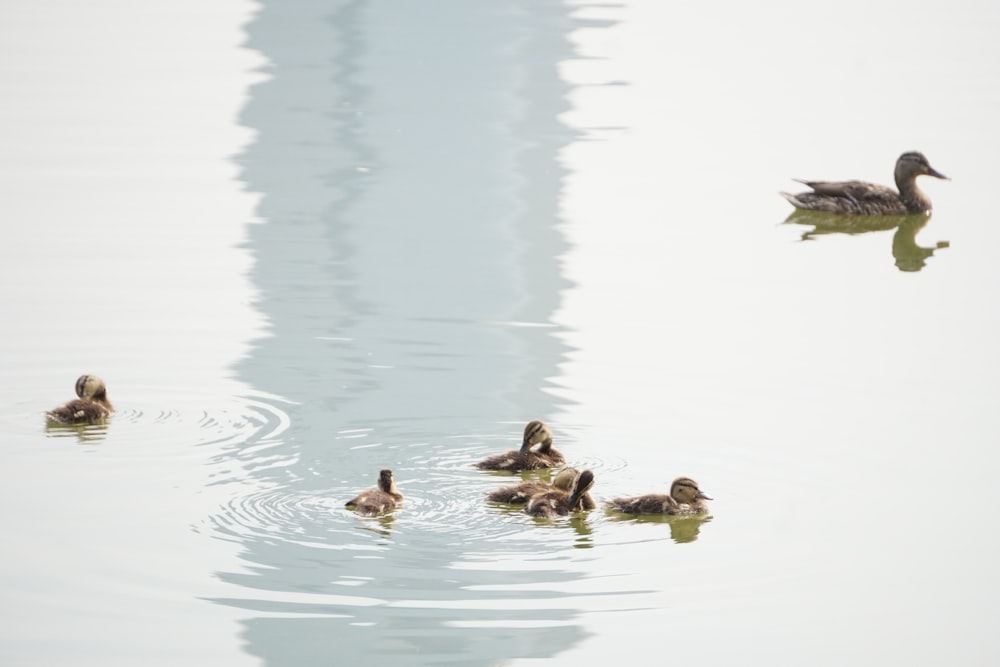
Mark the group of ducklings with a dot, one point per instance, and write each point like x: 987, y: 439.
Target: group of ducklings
x: 568, y: 492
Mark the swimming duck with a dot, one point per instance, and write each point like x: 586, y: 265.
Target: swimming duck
x: 91, y: 407
x: 860, y: 198
x: 535, y: 433
x: 685, y: 498
x: 558, y: 502
x: 376, y: 501
x: 519, y: 494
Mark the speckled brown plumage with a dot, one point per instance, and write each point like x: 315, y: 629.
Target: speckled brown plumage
x: 91, y: 407
x: 685, y: 498
x: 861, y: 198
x: 377, y: 501
x: 556, y: 502
x: 525, y: 458
x: 519, y: 494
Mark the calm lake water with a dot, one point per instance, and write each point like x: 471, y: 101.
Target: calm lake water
x: 303, y: 241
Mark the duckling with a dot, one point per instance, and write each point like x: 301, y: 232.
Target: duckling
x: 519, y: 494
x: 535, y: 433
x: 685, y: 498
x: 558, y: 502
x: 91, y: 407
x: 860, y: 198
x: 377, y: 501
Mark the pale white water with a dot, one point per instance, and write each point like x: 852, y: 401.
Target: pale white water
x: 305, y: 242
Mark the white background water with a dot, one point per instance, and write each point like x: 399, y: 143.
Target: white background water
x: 305, y: 241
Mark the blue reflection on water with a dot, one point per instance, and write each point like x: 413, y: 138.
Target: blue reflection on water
x: 407, y: 262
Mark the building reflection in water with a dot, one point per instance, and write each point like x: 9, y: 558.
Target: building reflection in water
x: 407, y: 260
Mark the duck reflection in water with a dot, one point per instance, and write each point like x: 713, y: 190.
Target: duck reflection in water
x: 377, y: 501
x: 907, y: 254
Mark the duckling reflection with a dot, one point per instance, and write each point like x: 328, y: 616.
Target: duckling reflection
x: 91, y: 407
x: 557, y: 502
x: 683, y: 527
x: 535, y: 433
x: 85, y: 434
x: 686, y: 528
x: 519, y: 494
x: 685, y: 498
x: 383, y: 499
x: 860, y: 198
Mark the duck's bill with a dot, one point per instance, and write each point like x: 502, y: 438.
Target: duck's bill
x: 704, y: 497
x: 931, y: 171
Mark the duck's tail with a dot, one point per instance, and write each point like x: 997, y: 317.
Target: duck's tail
x: 793, y: 200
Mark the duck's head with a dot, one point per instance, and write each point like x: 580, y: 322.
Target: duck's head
x: 581, y: 484
x: 534, y: 433
x: 564, y: 478
x: 913, y: 164
x: 386, y: 482
x: 685, y: 490
x: 91, y: 387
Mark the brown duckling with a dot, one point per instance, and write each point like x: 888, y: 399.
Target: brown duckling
x: 860, y: 198
x: 558, y: 502
x: 91, y: 407
x: 685, y: 498
x: 519, y: 494
x: 377, y: 501
x: 535, y: 433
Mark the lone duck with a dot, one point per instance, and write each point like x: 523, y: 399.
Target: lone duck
x: 519, y: 494
x: 91, y: 407
x: 535, y: 433
x: 377, y: 501
x: 556, y: 502
x: 860, y: 198
x: 685, y: 498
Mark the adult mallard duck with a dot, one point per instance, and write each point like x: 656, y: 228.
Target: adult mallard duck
x: 91, y: 407
x: 380, y: 500
x: 558, y: 502
x: 519, y: 494
x: 685, y: 498
x: 860, y: 198
x: 535, y: 433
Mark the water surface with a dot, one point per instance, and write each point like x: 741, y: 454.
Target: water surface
x: 306, y: 241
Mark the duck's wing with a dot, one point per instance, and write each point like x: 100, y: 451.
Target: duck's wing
x: 848, y: 197
x: 850, y: 189
x: 517, y: 494
x: 507, y: 461
x: 79, y: 411
x: 372, y: 502
x: 653, y: 503
x: 552, y: 457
